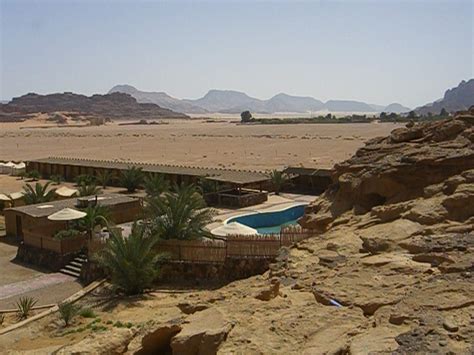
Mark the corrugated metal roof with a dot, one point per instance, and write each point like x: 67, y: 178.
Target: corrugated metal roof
x: 297, y: 170
x: 239, y: 177
x: 47, y: 208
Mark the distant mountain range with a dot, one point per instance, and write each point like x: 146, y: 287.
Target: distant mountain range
x: 455, y: 99
x: 229, y: 101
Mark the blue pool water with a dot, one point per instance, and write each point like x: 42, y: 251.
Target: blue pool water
x: 270, y: 222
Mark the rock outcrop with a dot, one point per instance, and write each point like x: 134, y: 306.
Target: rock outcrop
x: 115, y: 106
x: 409, y: 164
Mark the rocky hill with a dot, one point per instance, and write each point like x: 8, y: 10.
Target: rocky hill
x: 162, y: 99
x: 396, y: 108
x: 455, y: 99
x: 231, y: 101
x: 388, y: 271
x: 116, y: 106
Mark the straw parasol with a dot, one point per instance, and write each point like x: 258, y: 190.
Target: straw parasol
x: 65, y: 191
x: 66, y: 214
x: 233, y: 228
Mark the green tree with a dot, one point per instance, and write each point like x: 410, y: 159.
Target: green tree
x: 131, y: 178
x: 131, y: 262
x: 156, y: 184
x: 443, y: 112
x: 411, y: 115
x: 180, y: 215
x: 246, y: 116
x: 279, y: 180
x: 96, y: 216
x: 103, y: 178
x: 88, y: 190
x: 37, y: 194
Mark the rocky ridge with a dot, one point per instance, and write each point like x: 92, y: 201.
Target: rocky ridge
x: 389, y: 271
x: 115, y: 106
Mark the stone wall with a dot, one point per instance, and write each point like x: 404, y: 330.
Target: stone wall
x: 41, y: 257
x: 196, y: 273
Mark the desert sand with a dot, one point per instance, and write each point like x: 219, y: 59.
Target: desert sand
x: 196, y: 142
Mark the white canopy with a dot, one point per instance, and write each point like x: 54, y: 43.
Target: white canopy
x: 66, y: 214
x: 233, y: 228
x: 4, y: 197
x: 16, y: 195
x: 65, y: 191
x: 19, y: 166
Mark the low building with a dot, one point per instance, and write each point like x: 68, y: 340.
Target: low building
x: 308, y: 180
x: 27, y: 222
x: 230, y: 187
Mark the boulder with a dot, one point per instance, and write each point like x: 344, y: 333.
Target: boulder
x: 202, y: 333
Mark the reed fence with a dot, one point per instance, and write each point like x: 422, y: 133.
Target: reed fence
x: 233, y: 246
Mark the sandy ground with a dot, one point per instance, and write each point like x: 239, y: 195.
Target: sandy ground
x: 194, y: 142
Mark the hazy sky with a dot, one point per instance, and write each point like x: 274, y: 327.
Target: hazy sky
x: 373, y: 51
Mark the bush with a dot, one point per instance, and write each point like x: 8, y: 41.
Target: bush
x: 34, y: 175
x: 67, y: 311
x: 24, y: 307
x: 68, y: 233
x: 84, y: 179
x: 87, y: 313
x: 56, y: 179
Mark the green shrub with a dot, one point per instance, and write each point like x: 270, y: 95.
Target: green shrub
x: 56, y: 179
x: 67, y: 233
x: 67, y: 311
x: 33, y: 175
x: 84, y: 179
x: 87, y: 313
x: 24, y: 307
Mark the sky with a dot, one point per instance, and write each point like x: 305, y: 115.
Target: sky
x: 373, y: 51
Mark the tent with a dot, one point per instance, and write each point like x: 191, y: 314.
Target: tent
x: 6, y: 168
x: 233, y: 228
x: 65, y: 191
x: 18, y: 169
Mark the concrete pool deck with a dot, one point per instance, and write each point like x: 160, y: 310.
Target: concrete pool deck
x: 274, y: 203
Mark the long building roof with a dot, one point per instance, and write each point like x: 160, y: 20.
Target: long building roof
x: 238, y: 177
x: 48, y: 208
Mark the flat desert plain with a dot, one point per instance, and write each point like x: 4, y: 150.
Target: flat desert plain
x: 210, y: 143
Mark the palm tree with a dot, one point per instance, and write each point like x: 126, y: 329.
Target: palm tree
x: 84, y: 179
x: 34, y: 175
x: 96, y: 216
x: 103, y: 178
x: 131, y: 262
x: 131, y: 178
x: 278, y: 180
x: 180, y: 215
x: 88, y: 190
x: 37, y: 194
x: 156, y: 184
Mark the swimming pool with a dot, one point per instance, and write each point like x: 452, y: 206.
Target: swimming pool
x: 272, y: 221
